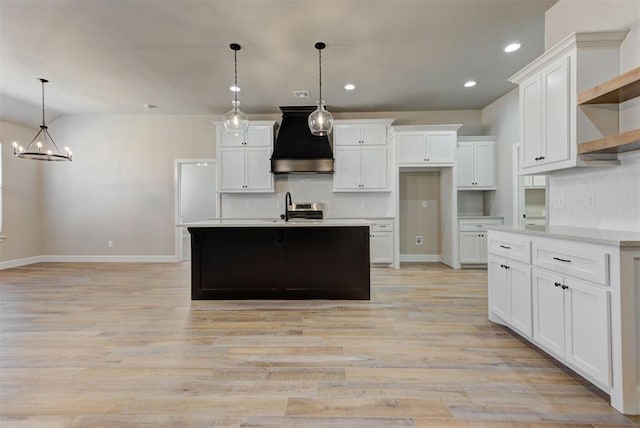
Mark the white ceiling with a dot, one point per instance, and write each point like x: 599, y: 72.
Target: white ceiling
x: 114, y: 56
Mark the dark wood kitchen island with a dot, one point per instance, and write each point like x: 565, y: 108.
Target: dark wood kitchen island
x: 266, y: 259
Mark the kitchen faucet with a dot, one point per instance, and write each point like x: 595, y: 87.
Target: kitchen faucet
x: 287, y: 202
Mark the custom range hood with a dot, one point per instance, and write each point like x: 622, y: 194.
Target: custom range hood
x: 296, y: 150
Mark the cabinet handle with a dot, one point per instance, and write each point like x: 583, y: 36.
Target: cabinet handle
x: 562, y: 260
x: 502, y: 266
x: 541, y: 157
x: 564, y: 287
x: 506, y: 267
x: 557, y: 284
x: 505, y: 247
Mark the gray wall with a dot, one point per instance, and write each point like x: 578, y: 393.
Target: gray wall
x: 22, y: 191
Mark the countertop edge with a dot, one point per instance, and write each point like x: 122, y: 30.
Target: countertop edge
x: 594, y: 236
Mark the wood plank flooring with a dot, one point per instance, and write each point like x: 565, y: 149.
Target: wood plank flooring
x: 122, y: 345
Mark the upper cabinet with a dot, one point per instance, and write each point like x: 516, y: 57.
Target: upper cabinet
x: 426, y: 145
x: 362, y: 155
x: 551, y: 124
x: 476, y: 163
x: 243, y: 160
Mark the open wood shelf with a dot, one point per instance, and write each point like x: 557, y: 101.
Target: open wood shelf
x: 614, y: 91
x: 619, y: 143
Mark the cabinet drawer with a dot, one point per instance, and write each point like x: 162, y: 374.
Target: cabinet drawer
x: 573, y: 259
x: 478, y: 225
x: 382, y: 226
x: 510, y: 246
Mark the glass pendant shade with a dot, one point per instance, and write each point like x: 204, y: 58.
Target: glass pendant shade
x: 235, y: 121
x: 42, y: 147
x: 320, y: 120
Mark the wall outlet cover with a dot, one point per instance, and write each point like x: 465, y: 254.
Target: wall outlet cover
x: 418, y: 240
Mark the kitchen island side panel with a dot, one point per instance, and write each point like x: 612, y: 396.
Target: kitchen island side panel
x: 280, y: 263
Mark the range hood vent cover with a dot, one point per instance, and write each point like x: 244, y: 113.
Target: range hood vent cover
x: 296, y: 150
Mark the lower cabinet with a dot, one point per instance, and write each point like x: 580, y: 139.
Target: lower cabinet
x: 572, y: 321
x: 473, y: 247
x: 510, y: 292
x: 381, y: 242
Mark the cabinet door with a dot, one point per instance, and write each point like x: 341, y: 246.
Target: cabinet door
x: 374, y: 167
x: 348, y: 168
x: 520, y: 297
x: 231, y: 168
x: 374, y: 135
x: 231, y: 139
x: 471, y: 247
x: 441, y: 147
x: 498, y: 288
x: 588, y: 329
x: 530, y: 122
x: 464, y: 165
x: 347, y: 135
x: 412, y: 148
x: 382, y: 247
x: 259, y: 136
x: 555, y: 107
x: 257, y: 169
x: 485, y: 164
x: 548, y: 311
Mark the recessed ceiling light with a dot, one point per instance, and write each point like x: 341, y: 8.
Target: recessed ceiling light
x: 512, y: 47
x: 349, y: 87
x: 234, y: 88
x: 470, y: 84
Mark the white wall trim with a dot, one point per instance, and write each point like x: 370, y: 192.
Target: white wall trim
x: 420, y: 258
x: 110, y: 259
x: 20, y: 262
x: 87, y: 259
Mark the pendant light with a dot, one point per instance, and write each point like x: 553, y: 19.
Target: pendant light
x: 320, y: 120
x: 42, y: 147
x: 235, y: 121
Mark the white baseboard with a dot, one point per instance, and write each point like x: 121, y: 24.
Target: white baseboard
x: 20, y: 262
x: 88, y: 259
x: 420, y: 258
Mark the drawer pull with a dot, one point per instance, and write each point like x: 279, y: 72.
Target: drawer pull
x: 564, y: 287
x: 562, y: 260
x: 505, y: 247
x: 557, y: 284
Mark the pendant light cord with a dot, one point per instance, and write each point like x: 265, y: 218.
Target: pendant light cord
x: 235, y: 75
x: 320, y: 72
x: 43, y: 122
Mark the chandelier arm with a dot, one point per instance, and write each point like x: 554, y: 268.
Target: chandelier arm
x: 46, y: 131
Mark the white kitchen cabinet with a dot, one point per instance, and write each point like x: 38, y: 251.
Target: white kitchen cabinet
x: 353, y: 134
x: 476, y: 163
x: 473, y: 239
x: 571, y: 321
x: 381, y: 242
x: 510, y: 292
x: 361, y: 156
x: 577, y: 297
x: 551, y: 124
x: 426, y: 145
x: 535, y: 181
x: 244, y: 160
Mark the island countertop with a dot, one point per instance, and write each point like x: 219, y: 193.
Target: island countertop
x: 270, y: 222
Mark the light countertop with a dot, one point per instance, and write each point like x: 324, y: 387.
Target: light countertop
x: 269, y: 222
x: 481, y: 217
x: 618, y: 238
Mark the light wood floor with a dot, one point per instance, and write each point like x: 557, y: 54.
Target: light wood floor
x: 122, y: 345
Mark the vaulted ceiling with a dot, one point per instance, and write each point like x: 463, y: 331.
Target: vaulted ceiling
x: 114, y: 56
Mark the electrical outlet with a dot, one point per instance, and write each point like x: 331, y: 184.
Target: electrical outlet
x: 424, y: 204
x: 418, y: 240
x: 558, y: 201
x: 590, y: 200
x: 110, y: 244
